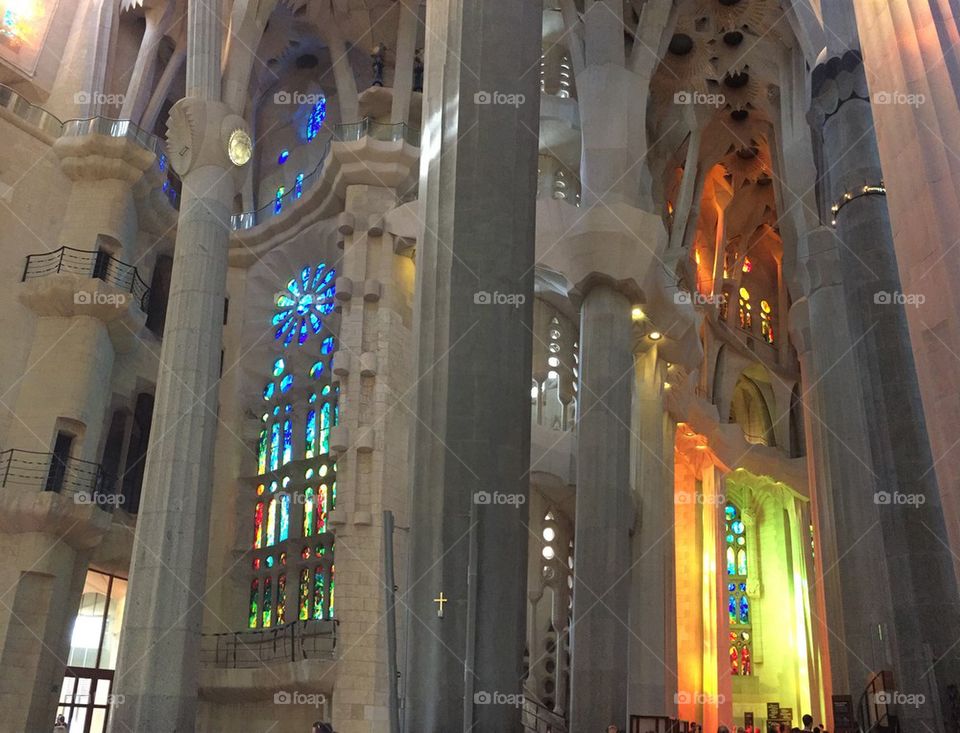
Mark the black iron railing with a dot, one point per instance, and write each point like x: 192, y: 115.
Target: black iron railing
x: 537, y: 718
x: 91, y: 263
x: 254, y: 648
x: 876, y: 705
x: 85, y: 481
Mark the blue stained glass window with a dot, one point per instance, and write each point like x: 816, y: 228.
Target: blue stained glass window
x: 738, y: 600
x: 287, y: 442
x: 315, y: 121
x: 284, y: 517
x: 327, y: 346
x: 275, y: 447
x: 298, y: 186
x: 286, y: 383
x: 278, y: 199
x: 282, y: 158
x: 311, y: 447
x: 278, y: 366
x: 268, y: 391
x: 302, y: 305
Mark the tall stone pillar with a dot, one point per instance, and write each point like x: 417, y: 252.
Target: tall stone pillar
x: 141, y: 78
x: 403, y: 70
x: 82, y: 71
x: 653, y: 649
x: 171, y: 71
x: 600, y: 635
x: 907, y: 500
x: 470, y: 448
x: 158, y: 664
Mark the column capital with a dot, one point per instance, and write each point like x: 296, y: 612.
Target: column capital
x: 627, y: 287
x: 202, y: 133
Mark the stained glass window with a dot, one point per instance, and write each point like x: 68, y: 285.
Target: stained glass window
x: 298, y: 186
x: 278, y: 199
x: 319, y: 586
x: 738, y: 600
x: 746, y: 310
x: 315, y: 121
x: 293, y: 442
x: 304, y: 303
x: 281, y: 599
x: 258, y: 526
x: 766, y: 321
x: 254, y: 602
x: 267, y: 603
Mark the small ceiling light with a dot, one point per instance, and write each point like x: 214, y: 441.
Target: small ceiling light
x: 655, y: 335
x: 637, y: 314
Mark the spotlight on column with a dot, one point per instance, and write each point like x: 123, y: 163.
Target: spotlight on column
x: 637, y: 313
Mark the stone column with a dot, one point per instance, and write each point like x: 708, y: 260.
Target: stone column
x: 605, y: 514
x: 470, y: 448
x: 653, y: 650
x: 173, y: 68
x: 856, y: 613
x: 403, y: 70
x: 158, y: 664
x: 138, y: 90
x: 926, y: 660
x: 82, y: 70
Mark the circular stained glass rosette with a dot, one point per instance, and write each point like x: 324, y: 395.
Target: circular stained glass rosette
x: 302, y: 307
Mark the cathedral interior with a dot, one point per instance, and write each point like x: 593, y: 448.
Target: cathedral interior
x: 506, y: 366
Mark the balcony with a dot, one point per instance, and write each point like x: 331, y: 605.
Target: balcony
x: 89, y: 263
x: 314, y: 640
x: 37, y: 117
x: 84, y: 481
x: 298, y: 656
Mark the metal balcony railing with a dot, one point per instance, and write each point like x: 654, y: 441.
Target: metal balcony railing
x: 48, y: 123
x: 254, y: 648
x: 86, y: 481
x: 90, y: 263
x: 537, y: 718
x: 350, y: 132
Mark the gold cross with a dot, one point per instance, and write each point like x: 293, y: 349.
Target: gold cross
x: 440, y: 601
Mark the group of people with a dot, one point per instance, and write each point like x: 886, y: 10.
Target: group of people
x: 808, y: 727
